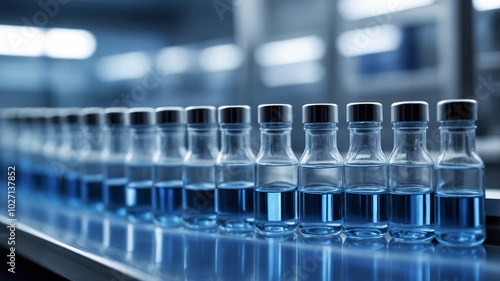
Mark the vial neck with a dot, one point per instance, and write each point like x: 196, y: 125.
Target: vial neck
x: 365, y: 139
x: 458, y: 137
x: 93, y: 138
x: 172, y: 141
x: 276, y: 137
x: 117, y: 139
x: 143, y: 140
x: 410, y: 135
x: 235, y: 138
x: 321, y: 137
x: 202, y: 139
x: 72, y: 136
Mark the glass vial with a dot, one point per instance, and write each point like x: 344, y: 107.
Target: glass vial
x: 116, y: 147
x: 54, y: 142
x: 234, y: 170
x: 139, y: 164
x: 366, y: 198
x: 167, y: 203
x: 459, y: 177
x: 39, y: 134
x: 69, y: 155
x: 198, y: 202
x: 275, y: 172
x: 91, y: 153
x: 320, y: 173
x: 410, y: 174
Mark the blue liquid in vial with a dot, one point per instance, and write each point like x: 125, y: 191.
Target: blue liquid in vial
x: 235, y: 205
x: 71, y: 187
x: 321, y: 211
x: 91, y: 191
x: 114, y: 195
x: 139, y: 201
x: 198, y: 204
x: 167, y: 206
x: 460, y: 218
x: 412, y: 213
x: 53, y: 183
x: 38, y: 179
x: 275, y: 209
x: 366, y: 211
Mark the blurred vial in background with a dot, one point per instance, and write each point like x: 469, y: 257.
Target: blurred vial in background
x: 199, y: 168
x: 167, y: 196
x: 116, y: 147
x: 320, y: 172
x: 234, y: 170
x: 275, y: 172
x: 39, y: 129
x: 91, y: 154
x: 54, y: 142
x: 23, y: 170
x: 366, y: 198
x: 459, y: 177
x: 69, y: 155
x: 410, y: 174
x: 139, y: 164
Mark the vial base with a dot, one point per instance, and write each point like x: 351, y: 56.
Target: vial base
x: 114, y: 196
x: 275, y: 211
x: 91, y: 193
x: 199, y: 206
x: 168, y: 203
x: 412, y: 214
x: 320, y: 212
x: 366, y: 213
x: 235, y: 208
x: 460, y: 219
x: 406, y: 233
x: 139, y: 201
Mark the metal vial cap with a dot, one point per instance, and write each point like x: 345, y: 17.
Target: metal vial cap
x: 200, y: 114
x: 408, y: 111
x: 270, y: 113
x: 141, y: 116
x: 116, y: 116
x: 170, y: 114
x: 457, y: 109
x: 234, y: 114
x: 364, y: 112
x: 320, y: 113
x: 92, y: 116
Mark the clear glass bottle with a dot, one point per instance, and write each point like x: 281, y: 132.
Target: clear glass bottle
x: 275, y: 172
x: 320, y: 173
x: 39, y: 134
x: 234, y: 170
x: 139, y: 167
x: 54, y: 142
x: 116, y: 147
x: 365, y: 173
x: 167, y: 203
x: 459, y: 177
x: 69, y: 155
x: 410, y: 174
x: 199, y: 168
x: 91, y: 176
x: 23, y: 148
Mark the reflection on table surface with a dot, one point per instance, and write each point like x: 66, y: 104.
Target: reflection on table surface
x: 184, y: 254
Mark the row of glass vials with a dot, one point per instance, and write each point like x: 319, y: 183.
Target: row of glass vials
x: 134, y: 163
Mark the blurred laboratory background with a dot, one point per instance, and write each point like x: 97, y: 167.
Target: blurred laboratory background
x: 177, y: 52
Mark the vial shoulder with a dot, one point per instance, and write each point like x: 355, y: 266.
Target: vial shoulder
x: 459, y: 159
x: 418, y: 157
x: 325, y: 158
x: 284, y: 157
x: 365, y: 156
